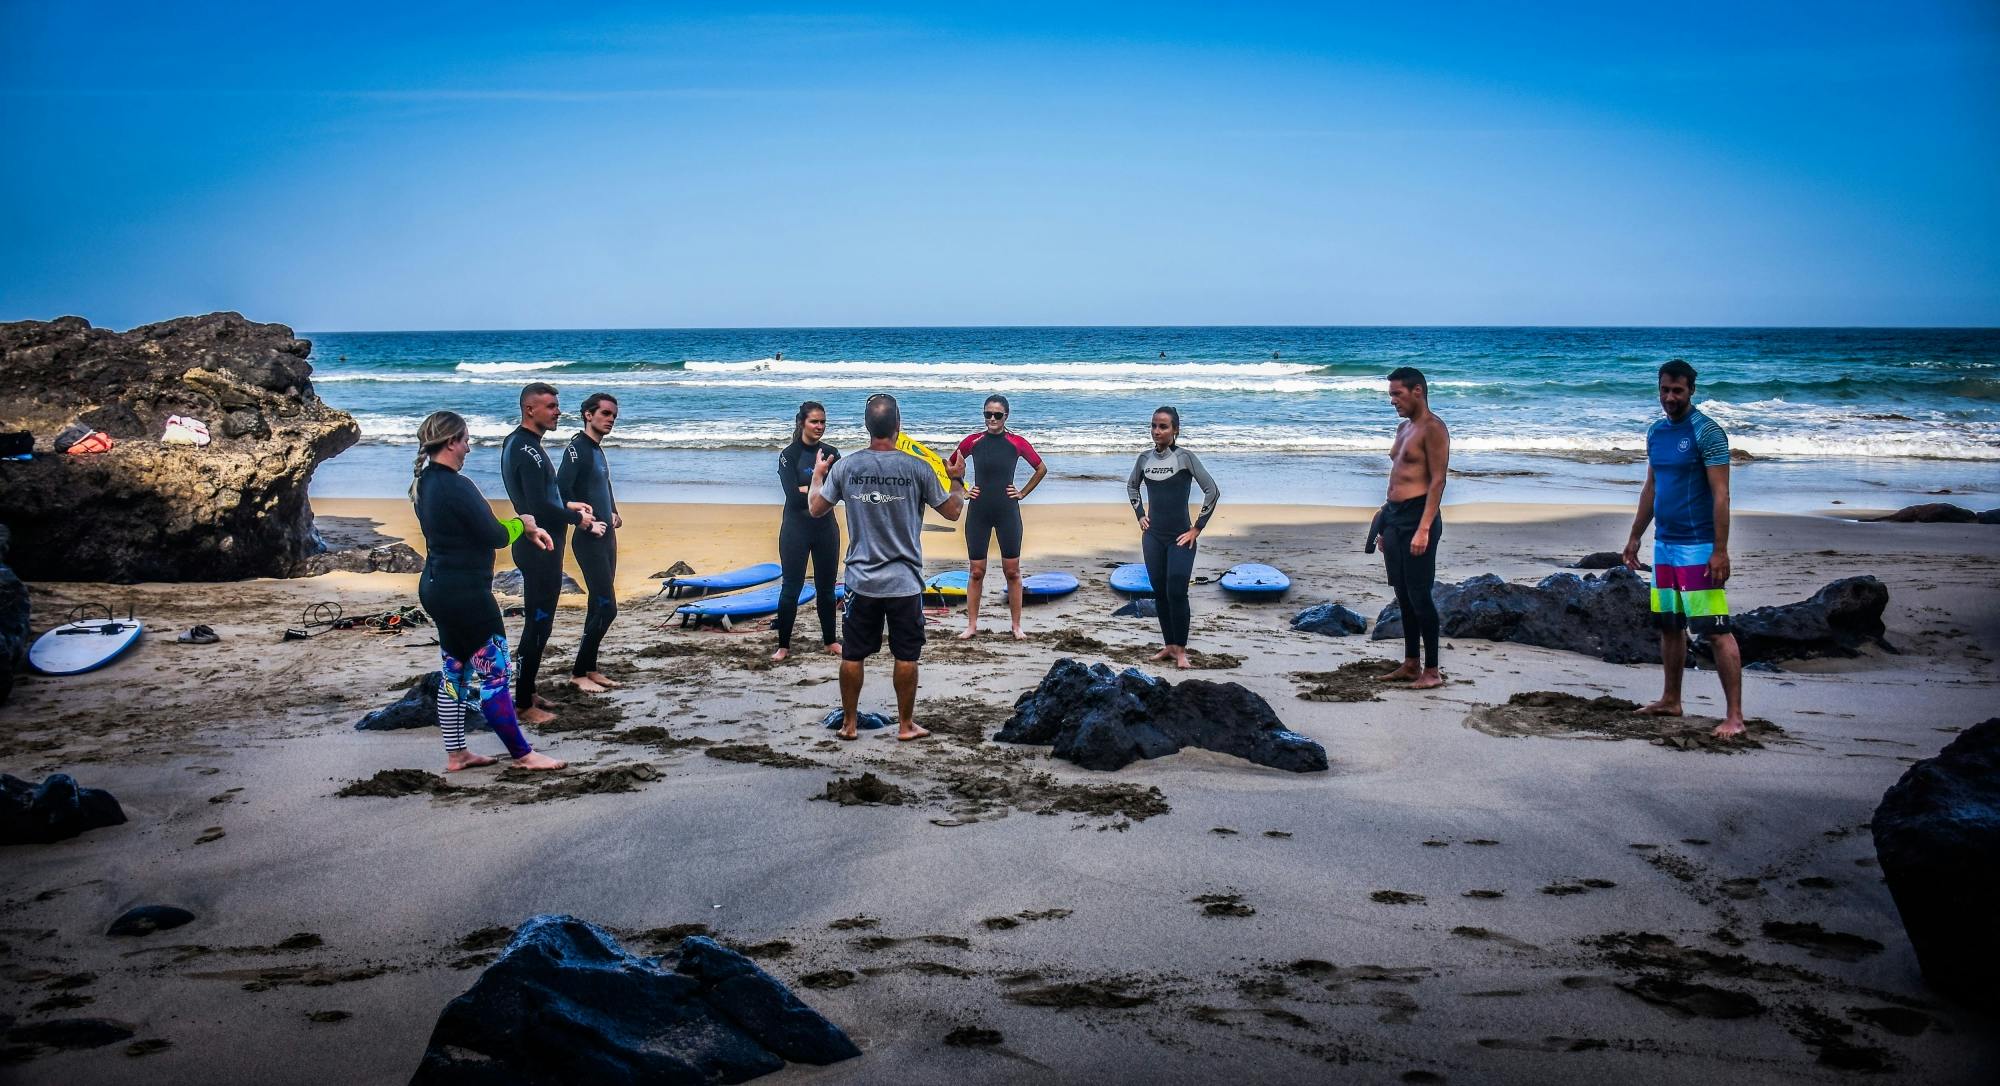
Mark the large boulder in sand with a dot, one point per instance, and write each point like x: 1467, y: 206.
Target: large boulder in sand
x: 1104, y: 719
x: 1937, y: 836
x: 1606, y: 616
x: 1931, y: 513
x: 1610, y: 617
x: 56, y: 809
x: 565, y: 1004
x: 1838, y: 620
x: 147, y: 511
x: 14, y: 618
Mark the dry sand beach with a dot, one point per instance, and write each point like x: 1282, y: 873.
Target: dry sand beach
x: 1445, y: 904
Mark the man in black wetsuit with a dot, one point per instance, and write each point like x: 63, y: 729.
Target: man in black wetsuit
x: 531, y: 485
x: 585, y: 478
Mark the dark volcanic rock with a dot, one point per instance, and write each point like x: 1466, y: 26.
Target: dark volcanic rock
x: 1603, y: 560
x: 1603, y: 616
x: 1931, y: 513
x: 1609, y: 617
x: 14, y: 620
x: 394, y: 558
x: 1330, y: 619
x: 147, y: 919
x: 417, y: 708
x: 36, y: 814
x: 1140, y: 608
x: 233, y: 509
x: 1989, y: 516
x: 508, y: 583
x: 1937, y: 836
x: 1836, y: 621
x: 565, y: 1004
x: 1105, y: 719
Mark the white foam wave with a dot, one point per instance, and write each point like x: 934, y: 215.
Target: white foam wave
x: 1000, y: 380
x: 1141, y: 370
x: 1222, y: 439
x: 513, y: 367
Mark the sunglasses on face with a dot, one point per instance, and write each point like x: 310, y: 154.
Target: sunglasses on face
x: 996, y: 414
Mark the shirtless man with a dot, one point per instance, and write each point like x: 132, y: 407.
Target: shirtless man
x: 1411, y: 527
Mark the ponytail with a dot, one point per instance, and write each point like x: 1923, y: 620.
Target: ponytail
x: 439, y: 428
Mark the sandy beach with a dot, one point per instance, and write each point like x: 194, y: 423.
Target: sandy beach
x: 1444, y: 904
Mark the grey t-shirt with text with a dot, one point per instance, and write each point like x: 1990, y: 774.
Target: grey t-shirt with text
x: 886, y: 493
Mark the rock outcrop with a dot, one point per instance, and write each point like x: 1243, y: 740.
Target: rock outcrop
x: 15, y: 615
x: 147, y: 511
x: 1931, y: 513
x: 1330, y: 619
x: 1609, y: 617
x: 1604, y: 616
x: 565, y: 1004
x: 56, y: 809
x: 1937, y: 836
x: 1104, y: 719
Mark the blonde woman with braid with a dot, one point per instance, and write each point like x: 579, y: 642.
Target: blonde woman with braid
x: 460, y: 535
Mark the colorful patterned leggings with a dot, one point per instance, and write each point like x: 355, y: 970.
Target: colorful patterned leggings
x: 482, y: 681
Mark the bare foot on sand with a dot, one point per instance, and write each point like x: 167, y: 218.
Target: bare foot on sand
x: 1164, y: 653
x: 1181, y: 660
x: 583, y: 683
x: 598, y: 678
x: 534, y: 760
x: 970, y: 633
x: 848, y: 732
x: 1018, y: 635
x: 833, y: 648
x: 910, y: 733
x: 1728, y: 729
x: 1402, y: 674
x: 781, y: 654
x: 464, y: 759
x: 536, y: 717
x: 1431, y: 679
x: 1663, y: 707
x: 543, y: 703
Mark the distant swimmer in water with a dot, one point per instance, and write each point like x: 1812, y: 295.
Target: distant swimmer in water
x: 778, y: 357
x: 1167, y: 539
x: 1686, y: 499
x: 995, y: 509
x: 1163, y: 354
x: 456, y: 590
x: 585, y: 478
x: 1411, y: 522
x: 802, y: 536
x: 886, y: 491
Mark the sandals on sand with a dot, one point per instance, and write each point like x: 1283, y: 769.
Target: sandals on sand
x: 199, y: 635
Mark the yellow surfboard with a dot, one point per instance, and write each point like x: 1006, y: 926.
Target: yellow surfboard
x: 908, y: 444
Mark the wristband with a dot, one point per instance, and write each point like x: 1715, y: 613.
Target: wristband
x: 515, y: 529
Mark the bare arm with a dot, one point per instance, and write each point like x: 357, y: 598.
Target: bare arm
x: 1718, y: 561
x: 1040, y: 471
x: 1640, y: 521
x: 1437, y: 460
x: 953, y: 505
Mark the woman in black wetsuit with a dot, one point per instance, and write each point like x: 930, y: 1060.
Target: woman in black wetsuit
x: 803, y: 535
x: 456, y: 590
x: 1166, y: 471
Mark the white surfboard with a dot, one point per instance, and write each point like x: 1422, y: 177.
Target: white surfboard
x: 76, y: 647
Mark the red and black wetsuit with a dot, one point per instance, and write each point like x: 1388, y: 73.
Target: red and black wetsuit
x: 993, y: 458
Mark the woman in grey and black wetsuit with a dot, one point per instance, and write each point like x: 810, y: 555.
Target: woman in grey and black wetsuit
x: 1166, y: 471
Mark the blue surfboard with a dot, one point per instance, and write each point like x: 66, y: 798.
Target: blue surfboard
x: 950, y: 585
x: 76, y: 647
x: 747, y: 577
x: 1047, y: 585
x: 762, y: 601
x: 1256, y: 579
x: 1132, y: 579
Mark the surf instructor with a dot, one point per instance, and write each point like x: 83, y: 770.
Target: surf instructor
x: 530, y: 479
x: 995, y: 509
x: 886, y: 491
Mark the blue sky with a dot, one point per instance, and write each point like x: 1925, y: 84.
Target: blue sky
x: 491, y: 165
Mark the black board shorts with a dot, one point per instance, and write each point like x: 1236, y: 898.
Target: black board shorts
x: 861, y: 633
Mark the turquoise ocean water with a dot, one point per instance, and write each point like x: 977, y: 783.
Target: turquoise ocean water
x: 1866, y: 417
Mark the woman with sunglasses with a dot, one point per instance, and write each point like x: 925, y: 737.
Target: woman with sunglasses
x: 803, y: 536
x: 995, y: 508
x: 1166, y: 472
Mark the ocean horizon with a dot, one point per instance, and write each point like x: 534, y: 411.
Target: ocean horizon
x: 1867, y: 417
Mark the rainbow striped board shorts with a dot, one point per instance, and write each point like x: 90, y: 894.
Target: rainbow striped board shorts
x: 1682, y: 594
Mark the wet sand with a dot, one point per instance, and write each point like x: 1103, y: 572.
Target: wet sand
x: 1477, y: 891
